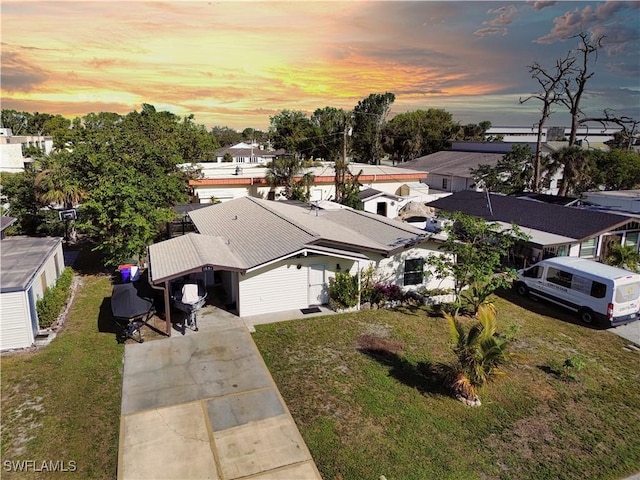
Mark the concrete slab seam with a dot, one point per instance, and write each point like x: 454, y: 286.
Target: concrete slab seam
x: 212, y: 442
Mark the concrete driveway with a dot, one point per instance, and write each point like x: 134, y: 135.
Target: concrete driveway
x: 630, y: 331
x: 204, y: 405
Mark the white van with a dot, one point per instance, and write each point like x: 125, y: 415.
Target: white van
x: 598, y: 292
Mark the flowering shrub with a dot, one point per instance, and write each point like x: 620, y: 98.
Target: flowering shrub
x: 384, y: 293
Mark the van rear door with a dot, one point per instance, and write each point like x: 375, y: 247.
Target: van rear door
x: 626, y: 299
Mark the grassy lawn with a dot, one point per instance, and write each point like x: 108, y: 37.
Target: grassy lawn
x: 365, y: 415
x: 62, y: 402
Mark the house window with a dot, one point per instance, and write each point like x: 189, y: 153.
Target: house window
x: 445, y: 183
x: 413, y: 271
x: 631, y: 239
x: 588, y: 248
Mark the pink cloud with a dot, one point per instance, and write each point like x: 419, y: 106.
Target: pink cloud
x: 483, y: 32
x: 587, y: 19
x: 540, y: 4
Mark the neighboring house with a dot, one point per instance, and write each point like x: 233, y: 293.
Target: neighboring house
x: 274, y: 256
x: 619, y: 200
x: 226, y: 182
x: 450, y: 170
x: 12, y: 149
x: 555, y: 230
x: 247, y: 153
x: 28, y: 267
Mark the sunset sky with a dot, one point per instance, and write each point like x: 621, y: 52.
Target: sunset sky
x: 235, y: 63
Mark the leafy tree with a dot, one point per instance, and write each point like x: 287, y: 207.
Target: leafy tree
x: 349, y: 191
x: 473, y: 132
x: 59, y: 128
x: 474, y: 253
x: 252, y: 135
x: 226, y: 136
x: 512, y: 174
x: 479, y: 353
x: 624, y: 256
x: 291, y: 130
x: 18, y: 122
x: 18, y: 189
x: 330, y: 128
x: 616, y: 169
x: 420, y: 132
x: 369, y: 118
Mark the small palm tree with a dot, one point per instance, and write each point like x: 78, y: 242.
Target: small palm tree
x: 624, y: 256
x: 479, y: 352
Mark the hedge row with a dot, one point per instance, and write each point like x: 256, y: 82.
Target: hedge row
x: 54, y: 299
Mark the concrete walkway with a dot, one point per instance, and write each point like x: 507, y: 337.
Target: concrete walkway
x: 204, y: 405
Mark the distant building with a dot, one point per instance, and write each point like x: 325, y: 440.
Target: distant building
x: 227, y: 181
x: 450, y: 170
x: 627, y: 201
x: 247, y: 153
x: 13, y: 155
x: 593, y: 137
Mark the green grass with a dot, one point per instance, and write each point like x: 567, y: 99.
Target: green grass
x: 62, y: 402
x: 366, y: 415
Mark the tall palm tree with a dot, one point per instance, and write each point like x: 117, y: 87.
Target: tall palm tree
x: 478, y: 352
x: 283, y: 171
x: 576, y: 169
x: 56, y: 186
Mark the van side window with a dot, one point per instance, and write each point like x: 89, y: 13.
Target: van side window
x: 533, y: 272
x: 559, y: 277
x: 598, y: 290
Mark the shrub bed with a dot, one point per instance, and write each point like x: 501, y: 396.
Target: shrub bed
x: 54, y: 299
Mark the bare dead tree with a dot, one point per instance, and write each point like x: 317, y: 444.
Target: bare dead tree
x: 629, y: 125
x: 550, y: 93
x: 572, y: 98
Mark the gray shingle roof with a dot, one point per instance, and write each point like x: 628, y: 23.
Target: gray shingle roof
x: 452, y: 163
x: 21, y: 258
x: 560, y: 220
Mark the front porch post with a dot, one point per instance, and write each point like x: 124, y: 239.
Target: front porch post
x: 167, y: 308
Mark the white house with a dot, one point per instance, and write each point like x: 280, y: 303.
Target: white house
x: 29, y: 267
x: 12, y: 158
x: 224, y: 182
x: 275, y: 256
x: 246, y: 153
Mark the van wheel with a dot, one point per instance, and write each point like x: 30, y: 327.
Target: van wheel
x: 587, y: 316
x: 522, y: 289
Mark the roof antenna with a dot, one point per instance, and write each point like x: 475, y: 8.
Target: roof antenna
x: 489, y: 202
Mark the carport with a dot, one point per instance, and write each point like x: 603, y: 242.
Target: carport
x: 185, y: 255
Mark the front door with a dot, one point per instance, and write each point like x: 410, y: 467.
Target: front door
x: 318, y: 288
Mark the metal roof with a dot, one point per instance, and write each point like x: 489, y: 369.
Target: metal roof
x: 21, y: 258
x: 179, y: 255
x: 457, y: 164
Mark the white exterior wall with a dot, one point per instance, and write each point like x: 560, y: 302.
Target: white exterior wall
x: 393, y: 205
x: 11, y: 159
x: 454, y: 184
x: 282, y: 286
x: 391, y: 269
x: 15, y: 321
x: 49, y: 268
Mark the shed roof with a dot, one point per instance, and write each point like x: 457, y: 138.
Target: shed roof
x: 569, y: 222
x: 457, y: 164
x: 21, y: 258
